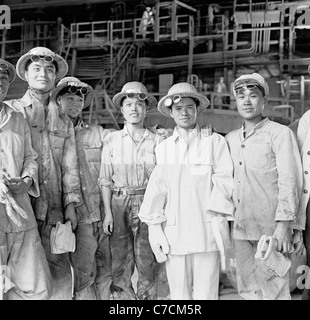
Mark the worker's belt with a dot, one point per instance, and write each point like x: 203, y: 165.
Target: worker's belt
x: 128, y: 191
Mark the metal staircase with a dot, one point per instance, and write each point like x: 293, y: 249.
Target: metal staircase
x: 117, y: 65
x: 103, y: 111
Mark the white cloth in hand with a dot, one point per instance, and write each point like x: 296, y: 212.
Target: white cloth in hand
x: 158, y: 242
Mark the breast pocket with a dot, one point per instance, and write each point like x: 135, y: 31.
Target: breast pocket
x: 57, y: 141
x: 92, y: 150
x: 258, y: 155
x: 202, y: 166
x: 13, y: 144
x: 202, y: 161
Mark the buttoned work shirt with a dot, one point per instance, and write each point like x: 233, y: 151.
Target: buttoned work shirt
x: 18, y: 158
x: 267, y: 179
x: 53, y: 138
x: 192, y: 181
x: 125, y: 163
x: 89, y: 142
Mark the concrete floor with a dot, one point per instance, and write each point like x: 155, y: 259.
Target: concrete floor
x: 231, y: 294
x: 227, y: 292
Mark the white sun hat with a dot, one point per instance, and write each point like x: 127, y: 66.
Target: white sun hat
x: 178, y: 91
x: 42, y: 52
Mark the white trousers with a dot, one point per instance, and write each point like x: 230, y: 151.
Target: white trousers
x: 194, y: 276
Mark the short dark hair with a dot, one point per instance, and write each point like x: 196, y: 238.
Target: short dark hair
x: 196, y: 101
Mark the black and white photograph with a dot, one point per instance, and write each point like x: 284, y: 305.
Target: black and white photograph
x: 154, y: 150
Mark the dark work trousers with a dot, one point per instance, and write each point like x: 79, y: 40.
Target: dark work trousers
x: 59, y: 265
x: 130, y: 248
x: 91, y: 262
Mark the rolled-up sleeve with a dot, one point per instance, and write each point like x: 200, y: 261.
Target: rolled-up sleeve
x: 152, y: 210
x: 290, y: 178
x: 30, y: 166
x: 106, y: 166
x: 220, y: 200
x: 71, y: 178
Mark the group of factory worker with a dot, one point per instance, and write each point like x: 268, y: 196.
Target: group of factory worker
x: 83, y: 208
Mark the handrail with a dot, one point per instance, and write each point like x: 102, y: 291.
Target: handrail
x: 24, y: 41
x: 120, y: 30
x: 125, y: 30
x: 119, y: 61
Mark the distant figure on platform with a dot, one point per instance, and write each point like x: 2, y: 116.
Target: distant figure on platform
x: 220, y: 87
x: 146, y: 21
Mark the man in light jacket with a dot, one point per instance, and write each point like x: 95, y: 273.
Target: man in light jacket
x: 190, y: 186
x: 267, y: 189
x: 24, y: 271
x: 53, y: 138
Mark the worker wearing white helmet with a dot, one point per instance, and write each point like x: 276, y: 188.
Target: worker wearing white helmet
x: 91, y: 260
x: 267, y: 189
x: 24, y: 271
x: 126, y: 164
x: 53, y: 139
x: 188, y: 199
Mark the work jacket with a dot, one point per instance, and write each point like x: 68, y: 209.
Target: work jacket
x: 18, y: 159
x: 89, y: 142
x: 53, y: 138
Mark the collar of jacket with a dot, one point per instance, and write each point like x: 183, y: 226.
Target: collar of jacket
x: 26, y: 100
x: 5, y: 107
x: 55, y: 121
x: 5, y: 114
x: 81, y: 123
x: 126, y: 133
x: 39, y: 96
x: 259, y: 125
x: 176, y: 135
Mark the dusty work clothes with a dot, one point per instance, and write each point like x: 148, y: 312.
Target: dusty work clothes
x: 253, y: 282
x: 303, y: 140
x: 20, y: 247
x: 91, y: 260
x: 24, y: 255
x: 267, y: 179
x: 127, y: 165
x: 53, y: 138
x: 268, y: 182
x: 191, y: 182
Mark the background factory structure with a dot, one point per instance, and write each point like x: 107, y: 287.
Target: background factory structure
x: 206, y: 43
